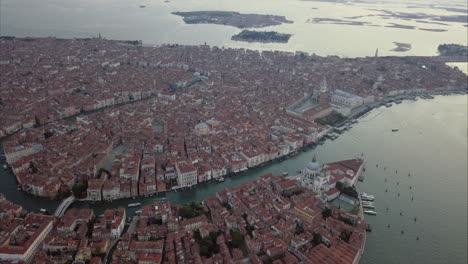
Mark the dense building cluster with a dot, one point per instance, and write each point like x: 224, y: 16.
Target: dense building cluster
x: 167, y: 117
x: 270, y: 220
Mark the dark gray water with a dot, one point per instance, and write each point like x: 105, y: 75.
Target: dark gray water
x: 431, y: 145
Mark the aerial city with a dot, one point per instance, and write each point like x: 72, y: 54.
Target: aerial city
x: 284, y: 131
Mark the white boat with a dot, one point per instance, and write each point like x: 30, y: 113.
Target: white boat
x: 221, y: 179
x: 134, y: 205
x: 369, y: 199
x: 43, y: 211
x: 368, y: 196
x: 368, y: 206
x: 5, y: 166
x: 285, y: 174
x: 138, y: 212
x: 370, y: 212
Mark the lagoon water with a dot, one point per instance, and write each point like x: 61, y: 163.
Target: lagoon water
x: 431, y: 145
x: 154, y: 24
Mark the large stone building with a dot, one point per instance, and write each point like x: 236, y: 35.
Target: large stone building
x: 21, y: 240
x: 344, y: 102
x: 186, y: 174
x: 322, y: 179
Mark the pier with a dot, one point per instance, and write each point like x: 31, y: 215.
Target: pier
x: 64, y: 206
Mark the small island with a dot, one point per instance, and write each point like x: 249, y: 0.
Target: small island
x: 401, y: 47
x: 335, y: 21
x: 433, y: 29
x: 234, y: 19
x: 395, y: 25
x: 261, y: 36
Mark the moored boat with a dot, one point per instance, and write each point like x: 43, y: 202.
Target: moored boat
x: 367, y: 195
x: 370, y: 212
x: 134, y: 205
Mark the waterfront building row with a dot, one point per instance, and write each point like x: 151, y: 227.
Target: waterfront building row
x: 272, y: 219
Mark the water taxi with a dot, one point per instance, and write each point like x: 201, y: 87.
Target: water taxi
x: 368, y: 206
x: 134, y: 205
x: 367, y: 195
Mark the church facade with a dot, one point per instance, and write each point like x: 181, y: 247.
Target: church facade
x: 322, y: 179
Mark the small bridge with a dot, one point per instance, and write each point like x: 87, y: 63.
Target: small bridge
x: 64, y: 206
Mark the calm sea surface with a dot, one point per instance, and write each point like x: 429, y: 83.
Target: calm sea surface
x: 154, y: 24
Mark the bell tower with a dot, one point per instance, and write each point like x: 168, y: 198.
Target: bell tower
x: 323, y: 92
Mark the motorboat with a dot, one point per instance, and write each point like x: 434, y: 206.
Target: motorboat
x: 370, y: 212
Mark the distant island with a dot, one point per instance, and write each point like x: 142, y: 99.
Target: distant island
x: 401, y: 47
x: 234, y: 19
x: 335, y: 21
x: 433, y: 29
x: 395, y: 25
x: 261, y: 36
x: 453, y: 50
